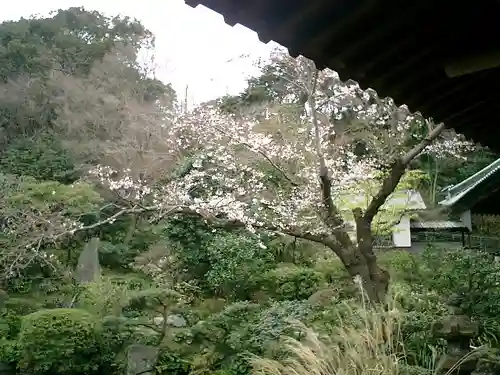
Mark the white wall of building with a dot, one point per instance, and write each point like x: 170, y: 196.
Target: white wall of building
x: 466, y: 219
x: 401, y: 235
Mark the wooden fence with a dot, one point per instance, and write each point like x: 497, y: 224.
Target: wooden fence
x: 485, y: 243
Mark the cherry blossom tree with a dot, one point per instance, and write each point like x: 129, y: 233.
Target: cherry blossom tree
x: 283, y: 168
x: 285, y: 165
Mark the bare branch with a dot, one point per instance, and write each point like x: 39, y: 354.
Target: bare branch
x: 269, y: 160
x: 149, y: 326
x: 397, y: 171
x: 333, y: 217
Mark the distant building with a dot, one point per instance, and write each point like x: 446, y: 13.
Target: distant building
x: 405, y: 229
x: 478, y: 194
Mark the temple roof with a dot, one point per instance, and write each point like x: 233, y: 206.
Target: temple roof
x: 439, y: 58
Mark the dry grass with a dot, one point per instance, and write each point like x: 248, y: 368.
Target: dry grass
x: 366, y: 342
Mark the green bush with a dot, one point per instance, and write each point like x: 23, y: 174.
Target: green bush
x: 402, y: 265
x: 42, y: 157
x: 172, y: 364
x: 12, y: 312
x: 59, y: 341
x: 293, y: 283
x: 115, y: 335
x: 240, y: 329
x: 8, y: 352
x: 237, y: 264
x: 333, y: 270
x: 488, y: 225
x: 472, y: 274
x: 422, y: 308
x: 262, y: 332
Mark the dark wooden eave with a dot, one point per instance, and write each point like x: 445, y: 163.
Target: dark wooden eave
x: 441, y: 58
x: 479, y: 193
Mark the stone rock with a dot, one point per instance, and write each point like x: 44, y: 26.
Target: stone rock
x: 158, y: 320
x: 323, y: 297
x: 6, y: 369
x: 141, y: 359
x: 450, y: 361
x: 457, y: 330
x: 455, y: 326
x: 176, y: 320
x: 88, y: 268
x: 484, y: 367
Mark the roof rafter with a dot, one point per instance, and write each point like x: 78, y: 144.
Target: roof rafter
x: 439, y: 58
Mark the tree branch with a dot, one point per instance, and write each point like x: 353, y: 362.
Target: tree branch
x: 326, y: 182
x: 324, y: 239
x: 265, y: 156
x: 112, y: 218
x: 333, y: 217
x: 415, y: 151
x: 164, y: 326
x: 149, y: 326
x: 397, y: 171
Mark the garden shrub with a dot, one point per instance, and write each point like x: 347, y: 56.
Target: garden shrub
x: 370, y: 345
x: 488, y: 225
x: 333, y: 270
x: 172, y: 364
x: 12, y: 312
x: 59, y: 341
x: 8, y: 352
x: 472, y: 274
x: 421, y: 309
x: 401, y: 264
x: 290, y: 282
x: 237, y: 263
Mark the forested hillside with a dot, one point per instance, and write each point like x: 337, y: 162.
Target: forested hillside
x: 137, y: 238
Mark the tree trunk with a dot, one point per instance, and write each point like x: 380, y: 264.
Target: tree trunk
x: 361, y: 260
x: 131, y: 229
x: 375, y: 280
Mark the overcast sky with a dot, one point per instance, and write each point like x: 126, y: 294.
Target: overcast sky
x: 193, y: 46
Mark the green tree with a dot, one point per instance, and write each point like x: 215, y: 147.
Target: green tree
x: 42, y: 157
x: 75, y: 75
x: 36, y: 215
x: 69, y: 42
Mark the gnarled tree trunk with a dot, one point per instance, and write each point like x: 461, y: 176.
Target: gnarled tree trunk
x: 375, y: 279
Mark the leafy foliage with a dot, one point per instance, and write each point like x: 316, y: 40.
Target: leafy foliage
x: 486, y: 224
x: 42, y: 157
x: 237, y: 264
x: 36, y: 215
x: 293, y: 283
x: 59, y: 341
x: 474, y: 275
x: 171, y: 363
x: 70, y: 41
